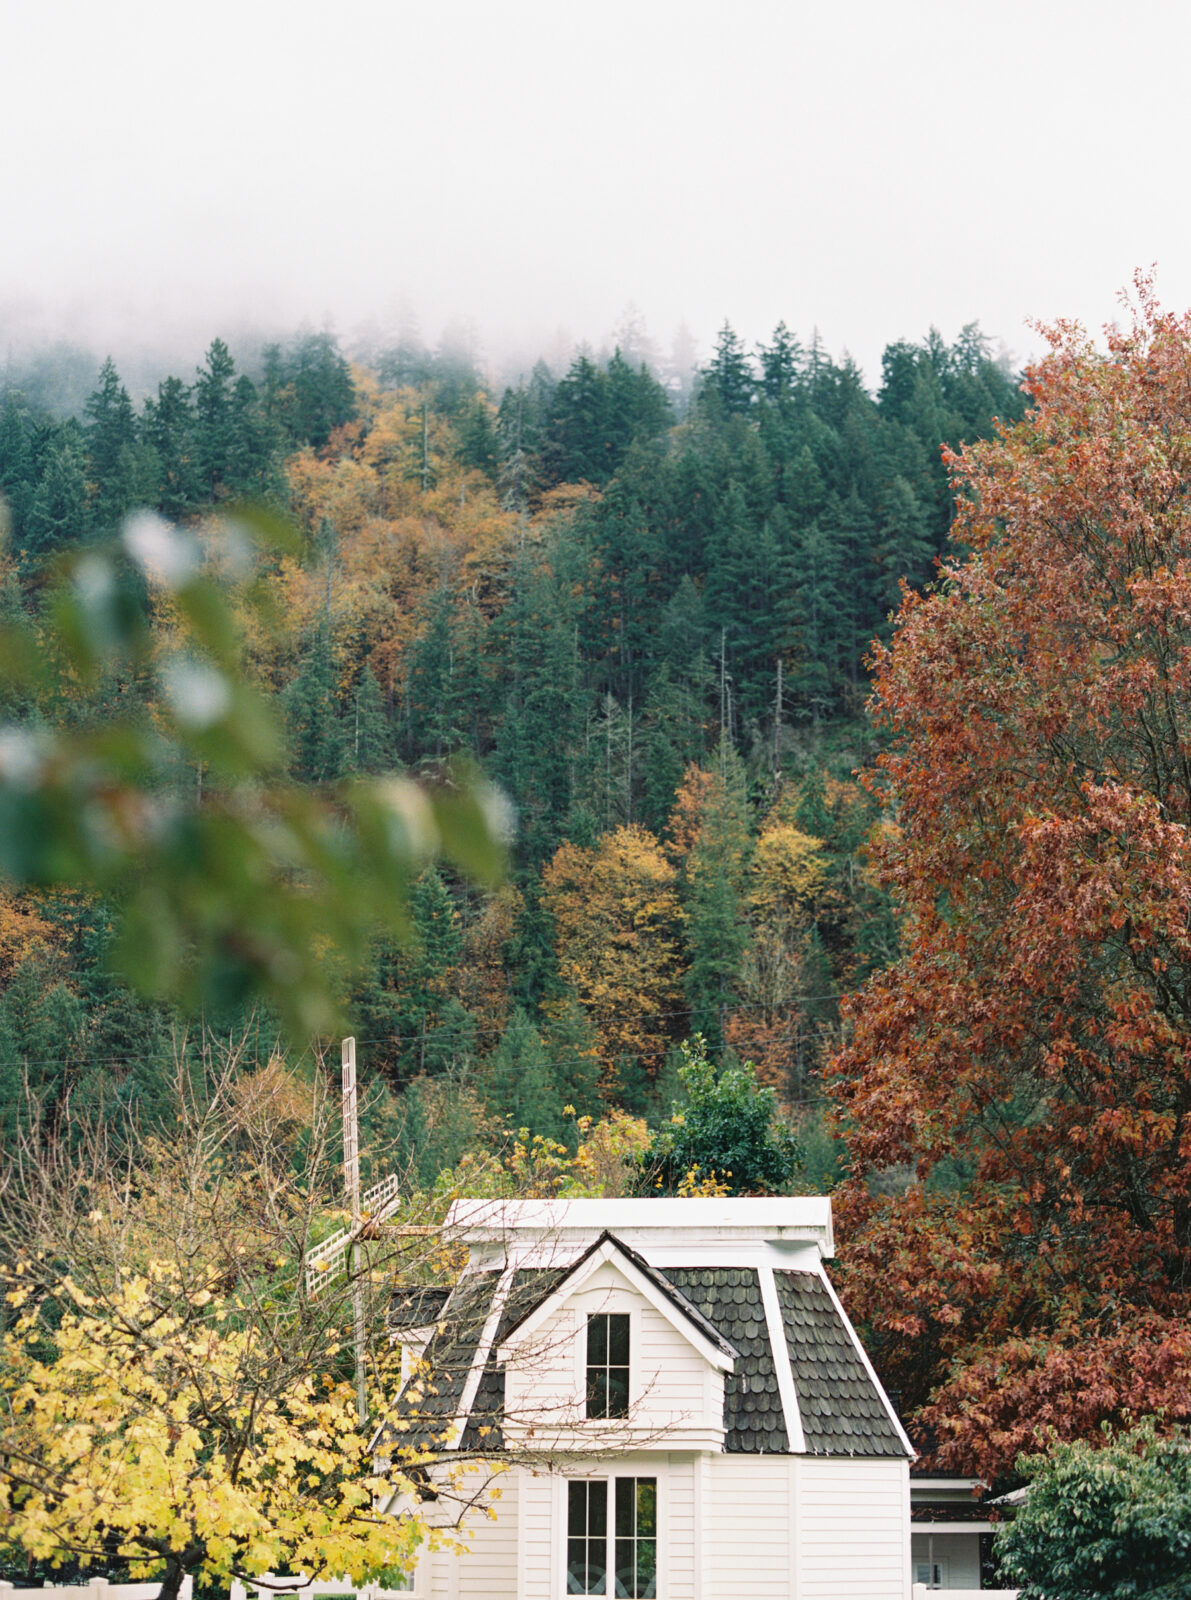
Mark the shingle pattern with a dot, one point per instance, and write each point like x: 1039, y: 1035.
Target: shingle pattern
x: 419, y: 1307
x: 841, y: 1410
x: 448, y: 1357
x: 730, y: 1299
x: 528, y: 1286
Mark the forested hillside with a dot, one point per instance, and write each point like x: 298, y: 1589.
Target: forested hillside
x: 648, y: 623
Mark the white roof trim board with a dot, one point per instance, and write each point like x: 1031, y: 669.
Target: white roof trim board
x: 610, y: 1251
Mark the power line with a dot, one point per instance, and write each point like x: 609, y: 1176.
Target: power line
x: 410, y: 1039
x: 385, y: 1039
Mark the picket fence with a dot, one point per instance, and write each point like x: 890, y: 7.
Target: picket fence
x: 96, y: 1589
x: 274, y: 1588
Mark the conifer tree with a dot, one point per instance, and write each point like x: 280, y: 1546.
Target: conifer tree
x: 518, y: 1083
x: 370, y: 741
x: 727, y: 385
x: 58, y: 512
x: 713, y: 880
x: 168, y: 427
x: 215, y: 419
x: 318, y: 740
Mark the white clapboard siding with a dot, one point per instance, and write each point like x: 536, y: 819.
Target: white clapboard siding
x: 488, y: 1570
x: 673, y: 1385
x: 853, y: 1522
x: 539, y: 1552
x: 677, y: 1555
x: 746, y: 1527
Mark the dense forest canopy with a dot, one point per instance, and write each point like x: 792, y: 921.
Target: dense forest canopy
x: 647, y: 617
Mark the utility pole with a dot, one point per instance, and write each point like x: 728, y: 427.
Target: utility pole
x: 351, y: 1172
x: 777, y: 721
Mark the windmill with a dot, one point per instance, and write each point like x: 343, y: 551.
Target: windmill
x: 367, y: 1211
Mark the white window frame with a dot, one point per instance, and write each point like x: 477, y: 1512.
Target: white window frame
x: 609, y: 1480
x: 615, y: 1302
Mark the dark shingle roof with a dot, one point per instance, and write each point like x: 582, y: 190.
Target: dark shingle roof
x: 419, y: 1307
x: 527, y: 1288
x: 660, y: 1280
x: 434, y: 1398
x: 730, y: 1298
x: 841, y: 1409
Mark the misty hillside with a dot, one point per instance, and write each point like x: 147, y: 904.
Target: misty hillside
x: 645, y: 613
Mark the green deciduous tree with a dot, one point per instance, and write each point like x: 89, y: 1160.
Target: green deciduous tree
x: 1109, y: 1519
x: 727, y: 1130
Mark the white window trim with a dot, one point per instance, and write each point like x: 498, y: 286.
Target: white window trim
x: 644, y: 1469
x: 617, y: 1302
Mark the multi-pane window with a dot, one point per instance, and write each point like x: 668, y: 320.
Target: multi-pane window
x: 608, y: 1365
x: 612, y: 1527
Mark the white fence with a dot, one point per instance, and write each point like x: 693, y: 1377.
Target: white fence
x: 923, y: 1592
x: 271, y: 1587
x: 96, y: 1589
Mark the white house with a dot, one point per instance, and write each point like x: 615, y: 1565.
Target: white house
x: 948, y: 1521
x: 684, y: 1410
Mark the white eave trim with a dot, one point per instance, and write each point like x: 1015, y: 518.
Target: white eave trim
x: 610, y: 1253
x: 921, y: 1525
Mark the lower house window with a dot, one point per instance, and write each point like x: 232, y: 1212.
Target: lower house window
x: 612, y: 1528
x: 929, y: 1573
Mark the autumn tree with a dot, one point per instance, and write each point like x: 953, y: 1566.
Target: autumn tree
x: 248, y: 888
x: 1015, y: 1088
x: 174, y: 1398
x: 616, y: 916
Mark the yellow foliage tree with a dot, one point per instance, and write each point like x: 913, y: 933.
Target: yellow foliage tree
x: 789, y: 870
x: 617, y: 918
x: 143, y: 1428
x: 173, y: 1399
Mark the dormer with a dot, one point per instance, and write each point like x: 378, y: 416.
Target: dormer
x: 614, y: 1356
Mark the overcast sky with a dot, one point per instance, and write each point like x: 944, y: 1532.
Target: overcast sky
x: 171, y: 169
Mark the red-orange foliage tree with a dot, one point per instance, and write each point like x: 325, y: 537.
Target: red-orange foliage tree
x: 1027, y: 1063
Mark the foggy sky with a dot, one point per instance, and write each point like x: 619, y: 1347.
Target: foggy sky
x: 169, y: 171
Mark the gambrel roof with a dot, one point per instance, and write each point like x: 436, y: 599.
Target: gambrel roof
x: 796, y: 1378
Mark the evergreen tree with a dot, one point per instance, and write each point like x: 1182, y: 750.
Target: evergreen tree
x: 215, y: 419
x: 168, y: 427
x: 320, y: 391
x: 574, y: 1053
x: 727, y: 385
x: 110, y: 434
x: 318, y: 738
x: 713, y: 880
x: 58, y: 512
x: 18, y: 474
x: 431, y: 722
x: 518, y: 1083
x: 369, y: 735
x: 478, y: 442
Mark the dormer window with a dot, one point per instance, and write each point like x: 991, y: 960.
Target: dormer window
x: 608, y: 1364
